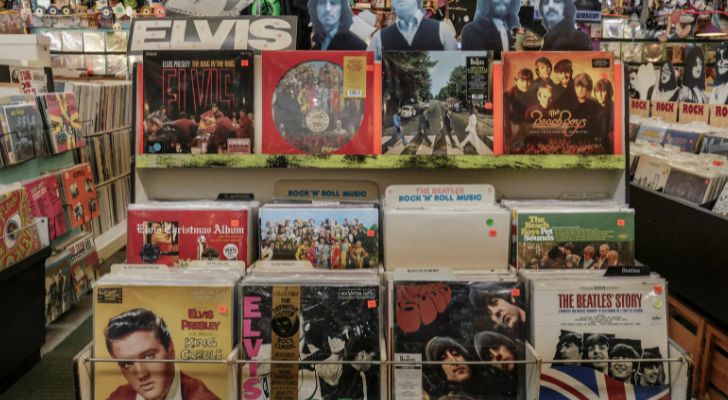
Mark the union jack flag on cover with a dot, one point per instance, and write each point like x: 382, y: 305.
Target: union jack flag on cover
x: 572, y: 382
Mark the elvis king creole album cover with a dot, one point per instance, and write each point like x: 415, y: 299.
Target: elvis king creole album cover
x: 560, y: 103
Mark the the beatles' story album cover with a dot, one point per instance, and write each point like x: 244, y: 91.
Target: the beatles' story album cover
x: 198, y: 102
x: 560, y: 103
x: 318, y: 102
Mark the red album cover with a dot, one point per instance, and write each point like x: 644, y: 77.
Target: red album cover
x: 63, y: 121
x: 45, y: 201
x: 561, y: 103
x: 167, y: 236
x: 18, y: 238
x: 80, y: 193
x: 318, y: 102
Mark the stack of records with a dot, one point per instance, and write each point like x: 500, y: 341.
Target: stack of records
x: 45, y: 201
x: 447, y: 317
x: 172, y: 232
x: 453, y: 226
x: 79, y: 194
x: 330, y: 236
x: 105, y: 105
x: 592, y: 319
x: 328, y: 316
x: 18, y: 235
x: 696, y: 178
x: 58, y: 294
x: 62, y: 121
x: 571, y: 234
x: 164, y: 315
x: 21, y: 129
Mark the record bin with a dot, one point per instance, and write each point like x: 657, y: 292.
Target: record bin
x: 680, y: 369
x: 22, y: 285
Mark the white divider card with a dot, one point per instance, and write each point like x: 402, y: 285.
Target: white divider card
x: 718, y: 116
x: 278, y: 265
x: 423, y: 274
x: 434, y: 196
x: 213, y: 33
x: 321, y: 190
x: 118, y: 268
x: 690, y: 112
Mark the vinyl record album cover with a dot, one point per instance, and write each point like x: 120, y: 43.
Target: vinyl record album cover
x: 311, y: 323
x: 559, y: 103
x: 168, y: 235
x: 62, y: 121
x: 136, y: 321
x: 602, y: 319
x: 45, y: 201
x: 715, y: 144
x: 198, y: 102
x: 435, y: 102
x: 58, y: 295
x: 19, y: 237
x: 686, y: 139
x: 479, y: 320
x: 689, y: 185
x: 318, y: 102
x: 328, y: 237
x: 21, y: 129
x: 651, y: 172
x: 80, y: 194
x: 570, y: 239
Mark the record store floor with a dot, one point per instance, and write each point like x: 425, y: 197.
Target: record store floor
x: 52, y: 377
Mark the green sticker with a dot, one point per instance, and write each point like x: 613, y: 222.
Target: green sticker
x: 658, y: 303
x: 489, y: 222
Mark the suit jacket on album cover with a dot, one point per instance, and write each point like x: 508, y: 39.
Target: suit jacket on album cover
x: 80, y: 193
x: 62, y: 121
x: 560, y: 103
x: 602, y: 319
x: 330, y: 238
x: 549, y: 239
x: 167, y: 236
x: 460, y: 321
x: 18, y: 238
x: 332, y: 323
x: 45, y: 201
x: 435, y: 102
x: 198, y: 102
x: 134, y: 321
x: 22, y: 132
x: 318, y: 102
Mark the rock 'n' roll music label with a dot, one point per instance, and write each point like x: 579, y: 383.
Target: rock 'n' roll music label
x: 690, y: 112
x: 719, y: 116
x: 639, y: 107
x: 666, y: 110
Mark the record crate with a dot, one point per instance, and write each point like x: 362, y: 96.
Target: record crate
x: 680, y: 370
x: 23, y: 285
x: 714, y: 367
x: 687, y: 328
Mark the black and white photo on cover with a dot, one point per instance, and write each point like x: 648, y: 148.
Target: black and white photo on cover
x: 463, y: 321
x: 719, y: 95
x: 559, y: 19
x: 666, y: 87
x: 593, y: 347
x: 333, y: 325
x: 693, y: 79
x: 331, y: 21
x: 493, y: 26
x: 412, y: 30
